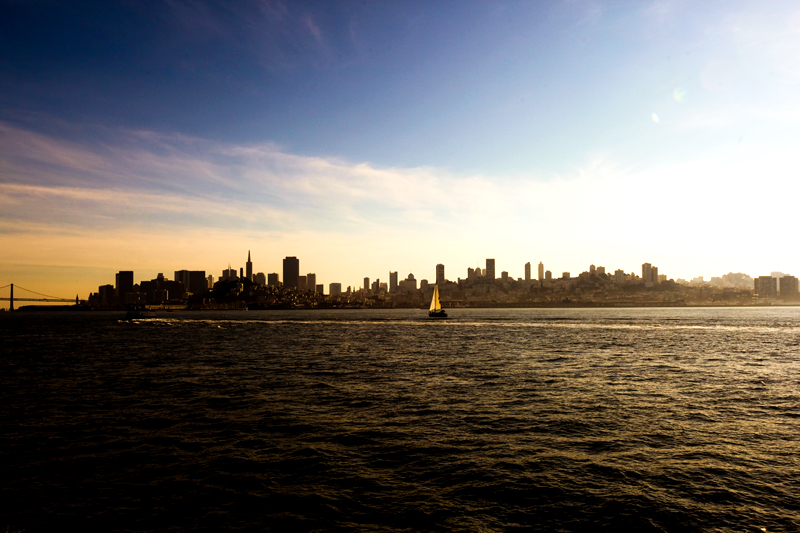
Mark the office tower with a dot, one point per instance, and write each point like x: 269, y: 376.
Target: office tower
x: 654, y: 274
x: 392, y: 282
x: 228, y: 274
x: 376, y: 287
x: 273, y: 279
x: 766, y: 286
x: 301, y: 283
x: 311, y: 282
x: 504, y: 276
x: 548, y: 275
x: 335, y: 288
x: 592, y: 269
x: 601, y: 271
x: 291, y: 271
x: 260, y: 278
x: 541, y: 271
x: 528, y: 271
x: 194, y: 281
x: 210, y: 280
x: 440, y: 274
x: 249, y: 265
x: 107, y: 294
x: 490, y: 269
x: 619, y: 276
x: 124, y: 285
x: 319, y: 289
x: 647, y: 274
x: 565, y: 275
x: 241, y: 273
x: 366, y: 284
x: 789, y: 289
x: 423, y: 285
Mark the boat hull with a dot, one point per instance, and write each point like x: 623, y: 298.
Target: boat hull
x: 440, y: 313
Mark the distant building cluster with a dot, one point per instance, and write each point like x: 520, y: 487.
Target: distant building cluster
x: 480, y: 288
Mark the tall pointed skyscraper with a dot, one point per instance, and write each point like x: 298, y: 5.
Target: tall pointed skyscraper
x: 249, y: 267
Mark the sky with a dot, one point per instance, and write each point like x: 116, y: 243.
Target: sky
x: 367, y: 137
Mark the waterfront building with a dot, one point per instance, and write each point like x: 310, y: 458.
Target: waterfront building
x: 766, y: 286
x: 789, y: 288
x: 124, y: 285
x: 647, y: 275
x: 440, y: 274
x: 291, y: 272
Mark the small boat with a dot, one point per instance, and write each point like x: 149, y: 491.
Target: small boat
x: 436, y: 310
x: 139, y: 313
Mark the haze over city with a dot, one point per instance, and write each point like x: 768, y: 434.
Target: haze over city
x: 367, y: 138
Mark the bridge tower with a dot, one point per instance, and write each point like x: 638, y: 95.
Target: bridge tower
x: 11, y: 299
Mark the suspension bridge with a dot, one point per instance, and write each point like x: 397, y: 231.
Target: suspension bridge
x: 43, y: 297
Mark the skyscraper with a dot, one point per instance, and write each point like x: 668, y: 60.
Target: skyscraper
x: 489, y: 269
x: 647, y: 273
x: 528, y: 271
x: 249, y: 265
x: 311, y: 282
x: 291, y: 272
x: 124, y: 285
x: 366, y: 284
x: 541, y: 271
x: 301, y: 283
x: 392, y: 282
x: 272, y: 279
x: 440, y: 274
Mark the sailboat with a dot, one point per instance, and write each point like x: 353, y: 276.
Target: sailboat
x: 436, y: 310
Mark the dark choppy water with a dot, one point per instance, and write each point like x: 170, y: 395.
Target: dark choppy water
x: 495, y: 420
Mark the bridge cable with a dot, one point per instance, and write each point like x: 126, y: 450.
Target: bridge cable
x: 40, y: 294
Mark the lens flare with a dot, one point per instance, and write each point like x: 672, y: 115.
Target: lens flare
x: 679, y: 95
x: 655, y: 118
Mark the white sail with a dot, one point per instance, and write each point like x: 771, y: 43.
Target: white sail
x: 435, y: 305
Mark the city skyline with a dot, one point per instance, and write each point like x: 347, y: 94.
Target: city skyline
x: 372, y: 138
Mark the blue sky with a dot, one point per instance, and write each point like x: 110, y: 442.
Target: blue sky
x: 369, y: 136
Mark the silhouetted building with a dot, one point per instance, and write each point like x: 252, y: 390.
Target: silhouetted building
x: 541, y: 271
x: 647, y: 275
x: 548, y: 275
x: 210, y: 281
x: 766, y: 286
x: 789, y: 288
x: 440, y: 274
x: 106, y: 295
x: 194, y: 281
x: 409, y: 284
x: 376, y: 287
x: 392, y: 282
x: 335, y: 288
x: 260, y: 278
x: 249, y: 265
x: 319, y: 288
x: 124, y: 285
x: 489, y: 269
x: 272, y: 279
x: 619, y: 276
x: 311, y: 282
x: 565, y: 275
x: 592, y: 269
x: 527, y: 271
x: 301, y: 283
x: 504, y: 276
x: 229, y: 274
x: 291, y: 272
x: 601, y: 271
x: 366, y: 284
